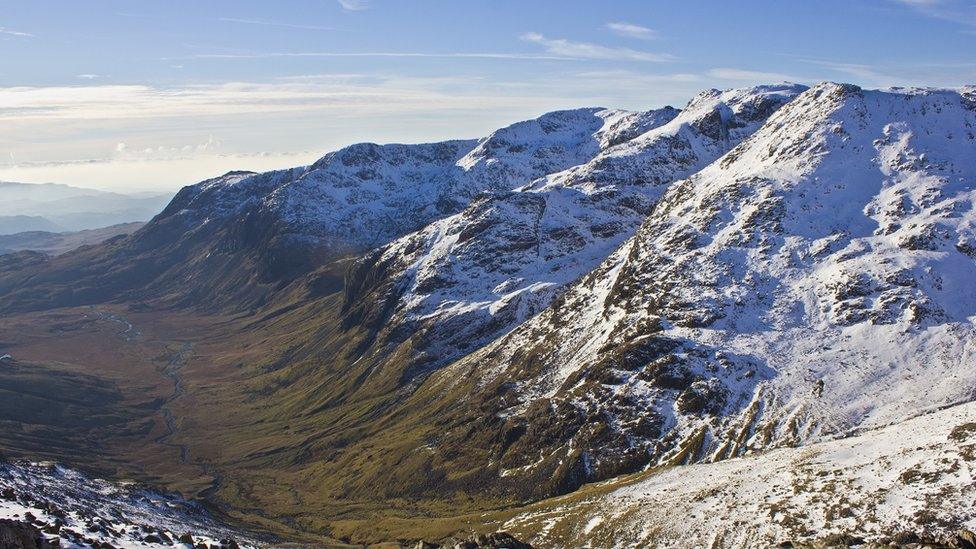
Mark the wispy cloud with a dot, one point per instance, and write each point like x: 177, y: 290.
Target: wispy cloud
x: 921, y: 3
x: 336, y: 96
x: 164, y: 152
x: 267, y: 23
x: 461, y: 55
x: 11, y: 32
x: 582, y: 50
x: 328, y: 77
x: 627, y: 76
x: 859, y: 70
x: 89, y: 76
x: 898, y: 73
x: 127, y: 174
x: 630, y: 30
x: 962, y: 12
x: 744, y: 75
x: 632, y: 89
x: 354, y: 5
x: 864, y: 74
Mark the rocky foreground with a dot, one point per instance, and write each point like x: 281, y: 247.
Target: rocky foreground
x: 45, y: 505
x: 911, y: 484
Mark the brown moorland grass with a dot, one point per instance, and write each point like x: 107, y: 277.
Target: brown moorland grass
x: 270, y: 418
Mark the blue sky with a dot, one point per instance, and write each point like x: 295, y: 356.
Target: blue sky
x: 157, y: 94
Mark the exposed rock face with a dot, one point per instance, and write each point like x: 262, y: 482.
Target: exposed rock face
x: 498, y: 540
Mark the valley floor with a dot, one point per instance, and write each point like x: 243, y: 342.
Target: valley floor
x: 907, y: 482
x: 131, y: 396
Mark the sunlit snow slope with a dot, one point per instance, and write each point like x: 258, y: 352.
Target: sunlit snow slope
x: 815, y: 279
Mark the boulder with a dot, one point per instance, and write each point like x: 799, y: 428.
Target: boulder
x: 16, y: 534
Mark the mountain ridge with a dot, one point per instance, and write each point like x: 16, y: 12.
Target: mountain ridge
x: 267, y: 230
x: 642, y: 332
x: 470, y: 277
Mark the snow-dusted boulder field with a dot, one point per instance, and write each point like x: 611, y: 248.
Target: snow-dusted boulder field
x: 71, y: 510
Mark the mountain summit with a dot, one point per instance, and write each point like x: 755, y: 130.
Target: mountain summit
x: 466, y: 279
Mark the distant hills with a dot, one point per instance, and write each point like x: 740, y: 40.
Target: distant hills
x: 55, y: 243
x: 57, y: 208
x: 12, y: 224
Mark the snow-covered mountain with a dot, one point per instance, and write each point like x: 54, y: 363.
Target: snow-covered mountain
x: 579, y: 296
x: 239, y: 236
x: 464, y: 280
x: 815, y: 279
x: 367, y: 194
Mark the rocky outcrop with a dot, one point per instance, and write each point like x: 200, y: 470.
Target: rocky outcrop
x: 498, y: 540
x: 16, y: 534
x: 58, y: 507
